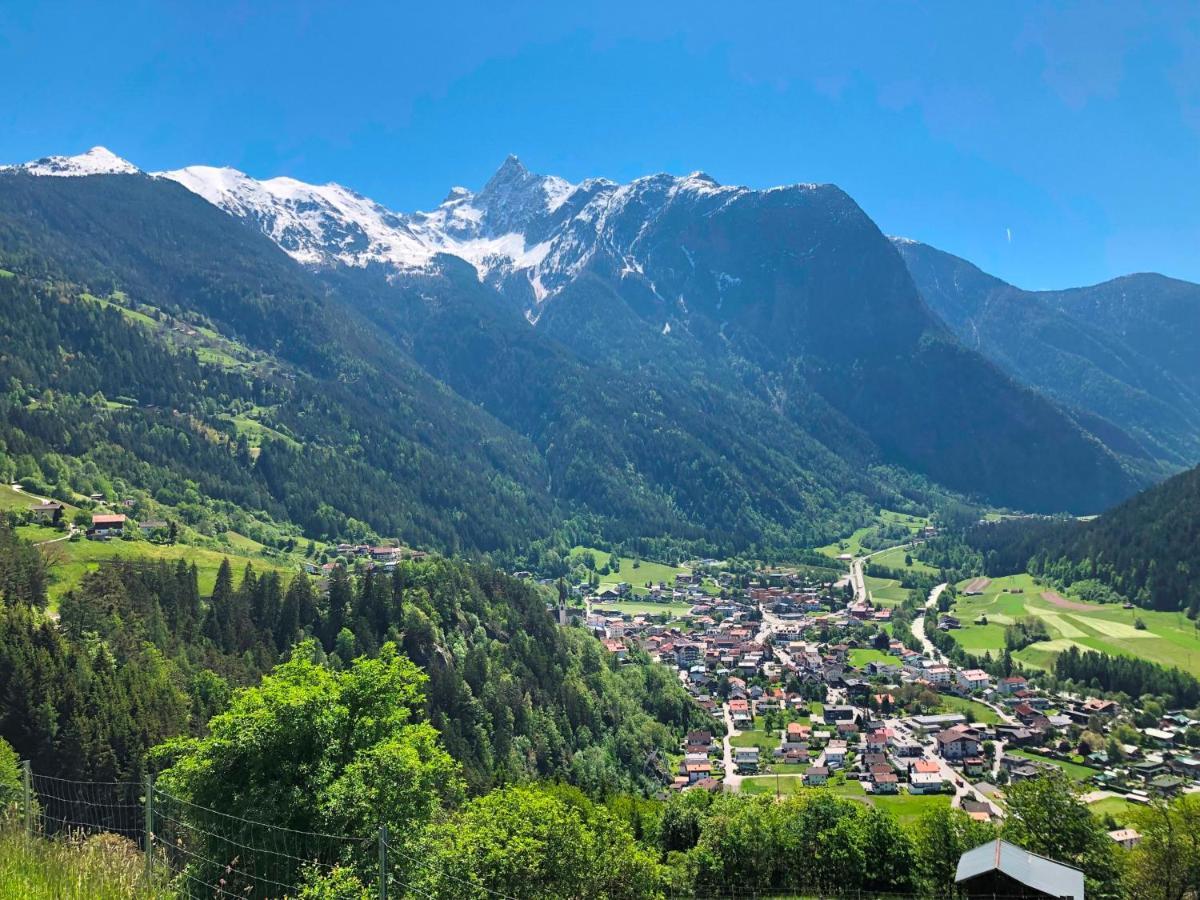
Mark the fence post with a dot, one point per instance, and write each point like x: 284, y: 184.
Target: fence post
x: 383, y: 835
x: 149, y: 836
x: 27, y: 789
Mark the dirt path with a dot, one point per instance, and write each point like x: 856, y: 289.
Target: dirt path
x: 1054, y: 598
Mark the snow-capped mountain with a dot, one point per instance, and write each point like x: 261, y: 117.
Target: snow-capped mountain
x: 97, y: 161
x: 788, y: 301
x: 526, y: 234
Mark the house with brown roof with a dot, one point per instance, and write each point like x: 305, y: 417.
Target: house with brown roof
x: 105, y: 526
x: 958, y: 742
x: 885, y: 783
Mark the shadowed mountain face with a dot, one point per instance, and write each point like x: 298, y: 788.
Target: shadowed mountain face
x: 1120, y: 355
x: 665, y: 357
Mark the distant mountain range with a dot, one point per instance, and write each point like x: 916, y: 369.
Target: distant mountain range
x: 1121, y: 356
x: 668, y: 357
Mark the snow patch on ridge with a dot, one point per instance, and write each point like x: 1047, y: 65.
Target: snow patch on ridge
x: 97, y: 161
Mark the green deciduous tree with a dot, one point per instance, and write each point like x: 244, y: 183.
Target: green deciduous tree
x: 1165, y: 865
x: 535, y: 842
x: 316, y: 750
x: 1046, y: 816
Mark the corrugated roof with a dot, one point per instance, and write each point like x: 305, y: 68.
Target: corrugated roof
x: 1053, y: 878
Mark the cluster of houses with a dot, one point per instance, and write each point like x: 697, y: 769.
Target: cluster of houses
x: 381, y: 557
x: 753, y: 656
x: 104, y: 526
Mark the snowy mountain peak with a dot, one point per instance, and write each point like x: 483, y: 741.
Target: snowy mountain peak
x: 527, y: 235
x: 97, y: 161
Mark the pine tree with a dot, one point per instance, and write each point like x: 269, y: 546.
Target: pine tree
x: 217, y: 621
x: 341, y: 595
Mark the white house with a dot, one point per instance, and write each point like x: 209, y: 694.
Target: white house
x: 973, y: 680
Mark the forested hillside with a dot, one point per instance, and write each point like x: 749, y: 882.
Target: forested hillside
x: 1121, y: 354
x: 179, y: 352
x: 349, y: 430
x: 138, y: 656
x: 1145, y: 550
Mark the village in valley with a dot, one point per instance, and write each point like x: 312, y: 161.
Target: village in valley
x: 812, y: 680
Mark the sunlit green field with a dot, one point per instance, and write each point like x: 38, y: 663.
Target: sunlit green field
x: 972, y: 709
x: 1169, y: 638
x: 894, y: 559
x: 853, y: 543
x: 861, y: 656
x: 1118, y: 807
x: 885, y: 591
x: 69, y: 561
x: 907, y: 808
x: 1077, y: 771
x: 645, y: 571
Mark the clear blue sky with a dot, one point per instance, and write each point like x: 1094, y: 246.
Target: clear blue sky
x: 1053, y: 145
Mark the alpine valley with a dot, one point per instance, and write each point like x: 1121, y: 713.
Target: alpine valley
x: 306, y: 505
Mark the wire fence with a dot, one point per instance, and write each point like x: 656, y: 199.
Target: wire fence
x: 202, y: 853
x: 195, y: 851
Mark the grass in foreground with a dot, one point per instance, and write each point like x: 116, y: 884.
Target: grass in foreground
x: 102, y: 867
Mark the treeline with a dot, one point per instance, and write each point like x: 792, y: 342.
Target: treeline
x: 138, y: 655
x: 1146, y: 550
x: 1128, y: 675
x: 315, y: 750
x: 374, y: 446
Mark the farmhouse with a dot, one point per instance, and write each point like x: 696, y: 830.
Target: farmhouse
x: 49, y: 512
x: 104, y: 526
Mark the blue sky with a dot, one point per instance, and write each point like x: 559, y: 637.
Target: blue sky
x: 1051, y: 144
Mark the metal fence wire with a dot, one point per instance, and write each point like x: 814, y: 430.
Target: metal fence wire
x: 204, y: 853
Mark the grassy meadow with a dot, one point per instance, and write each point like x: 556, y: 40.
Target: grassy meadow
x: 1119, y: 808
x: 644, y: 571
x: 1170, y: 639
x: 853, y: 543
x: 907, y: 808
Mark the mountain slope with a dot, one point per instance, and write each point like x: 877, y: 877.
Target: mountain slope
x: 427, y: 410
x: 790, y: 296
x: 373, y: 439
x: 1145, y: 549
x: 1121, y: 354
x: 799, y: 283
